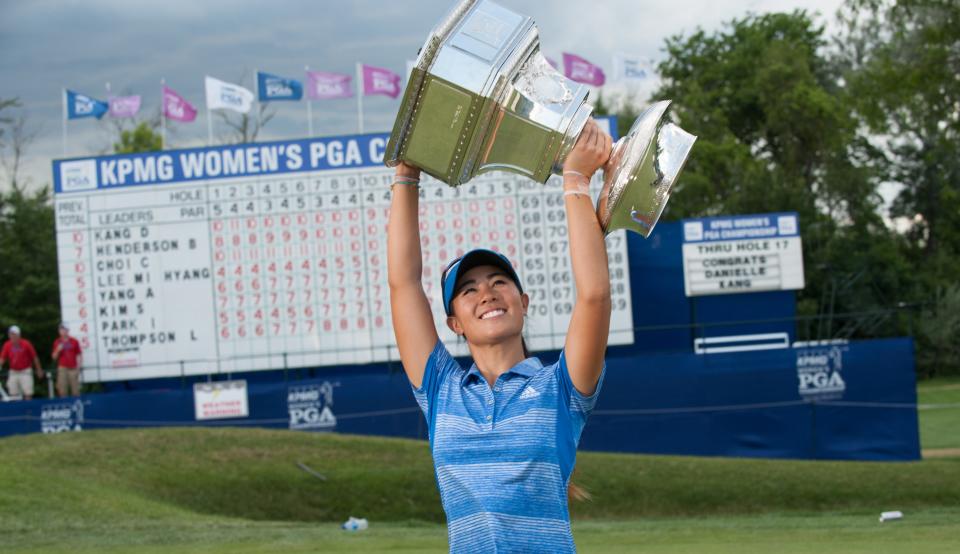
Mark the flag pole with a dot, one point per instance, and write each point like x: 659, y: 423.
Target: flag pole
x: 163, y: 115
x: 360, y: 98
x: 306, y: 68
x: 63, y: 97
x: 209, y: 126
x: 256, y: 87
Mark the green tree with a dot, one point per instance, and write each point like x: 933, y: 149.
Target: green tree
x: 30, y: 295
x: 776, y: 133
x: 901, y: 61
x: 141, y: 138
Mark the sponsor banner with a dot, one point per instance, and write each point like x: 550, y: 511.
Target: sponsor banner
x: 61, y: 417
x: 324, y: 86
x: 81, y: 105
x: 820, y: 372
x: 749, y: 253
x: 124, y: 106
x: 580, y: 70
x: 226, y: 162
x: 274, y: 87
x: 310, y: 407
x: 628, y: 67
x: 177, y: 107
x: 222, y: 95
x: 220, y: 400
x: 377, y: 80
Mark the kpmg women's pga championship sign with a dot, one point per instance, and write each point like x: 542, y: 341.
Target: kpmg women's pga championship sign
x: 273, y: 255
x: 747, y: 253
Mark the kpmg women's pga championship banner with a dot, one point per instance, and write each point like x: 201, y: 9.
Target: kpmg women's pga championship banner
x: 273, y: 255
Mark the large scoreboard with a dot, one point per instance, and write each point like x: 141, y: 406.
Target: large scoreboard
x: 273, y: 255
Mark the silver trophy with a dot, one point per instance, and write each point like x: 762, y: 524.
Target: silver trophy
x: 483, y: 98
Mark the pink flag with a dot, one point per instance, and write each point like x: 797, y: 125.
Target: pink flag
x: 124, y: 106
x: 580, y: 70
x: 380, y: 81
x: 176, y: 107
x: 322, y: 86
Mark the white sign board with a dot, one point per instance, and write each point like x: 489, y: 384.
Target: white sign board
x: 273, y: 255
x: 750, y: 253
x: 220, y: 400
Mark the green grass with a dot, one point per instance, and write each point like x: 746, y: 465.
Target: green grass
x: 939, y: 424
x: 933, y: 531
x: 239, y: 490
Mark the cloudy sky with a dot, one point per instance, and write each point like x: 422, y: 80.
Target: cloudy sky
x: 82, y: 45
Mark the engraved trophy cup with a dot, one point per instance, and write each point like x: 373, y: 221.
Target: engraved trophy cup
x: 482, y: 97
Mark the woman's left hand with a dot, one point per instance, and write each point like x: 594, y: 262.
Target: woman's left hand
x: 591, y: 151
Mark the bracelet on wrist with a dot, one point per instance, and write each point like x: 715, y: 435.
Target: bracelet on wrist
x: 405, y: 182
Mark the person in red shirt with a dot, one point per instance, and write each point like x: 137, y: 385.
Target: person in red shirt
x: 19, y: 353
x: 69, y: 358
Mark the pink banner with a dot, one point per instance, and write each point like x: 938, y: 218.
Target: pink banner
x: 124, y: 106
x: 176, y: 107
x: 580, y: 70
x: 324, y: 86
x: 380, y: 81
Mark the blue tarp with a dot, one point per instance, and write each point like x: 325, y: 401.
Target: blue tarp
x: 853, y: 401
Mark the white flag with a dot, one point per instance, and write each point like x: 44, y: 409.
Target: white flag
x: 631, y: 68
x: 223, y: 95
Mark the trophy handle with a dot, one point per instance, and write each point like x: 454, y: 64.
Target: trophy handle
x: 644, y: 166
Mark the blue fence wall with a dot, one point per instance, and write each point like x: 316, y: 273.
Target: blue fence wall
x: 778, y: 403
x: 750, y: 404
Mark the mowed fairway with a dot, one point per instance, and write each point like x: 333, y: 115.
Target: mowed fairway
x: 240, y: 490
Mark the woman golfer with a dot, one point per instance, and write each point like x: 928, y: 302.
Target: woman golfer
x: 503, y: 432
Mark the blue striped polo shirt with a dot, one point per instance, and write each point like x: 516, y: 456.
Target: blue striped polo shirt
x: 503, y: 455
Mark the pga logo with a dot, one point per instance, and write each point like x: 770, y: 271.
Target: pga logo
x: 276, y: 87
x: 83, y: 105
x: 78, y: 175
x: 61, y: 418
x: 310, y: 407
x: 819, y: 373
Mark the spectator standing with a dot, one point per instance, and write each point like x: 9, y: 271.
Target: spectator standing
x: 69, y: 358
x: 20, y: 354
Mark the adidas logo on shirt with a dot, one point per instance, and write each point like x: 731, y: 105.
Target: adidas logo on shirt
x: 529, y: 392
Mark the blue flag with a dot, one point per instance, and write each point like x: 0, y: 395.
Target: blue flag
x: 81, y: 105
x: 272, y: 87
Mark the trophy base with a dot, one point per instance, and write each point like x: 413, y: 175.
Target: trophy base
x: 642, y: 170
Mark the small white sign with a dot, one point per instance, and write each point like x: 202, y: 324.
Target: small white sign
x: 693, y: 230
x: 78, y: 175
x: 220, y: 400
x: 787, y: 224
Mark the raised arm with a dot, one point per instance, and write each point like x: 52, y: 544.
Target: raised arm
x: 412, y: 321
x: 590, y: 322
